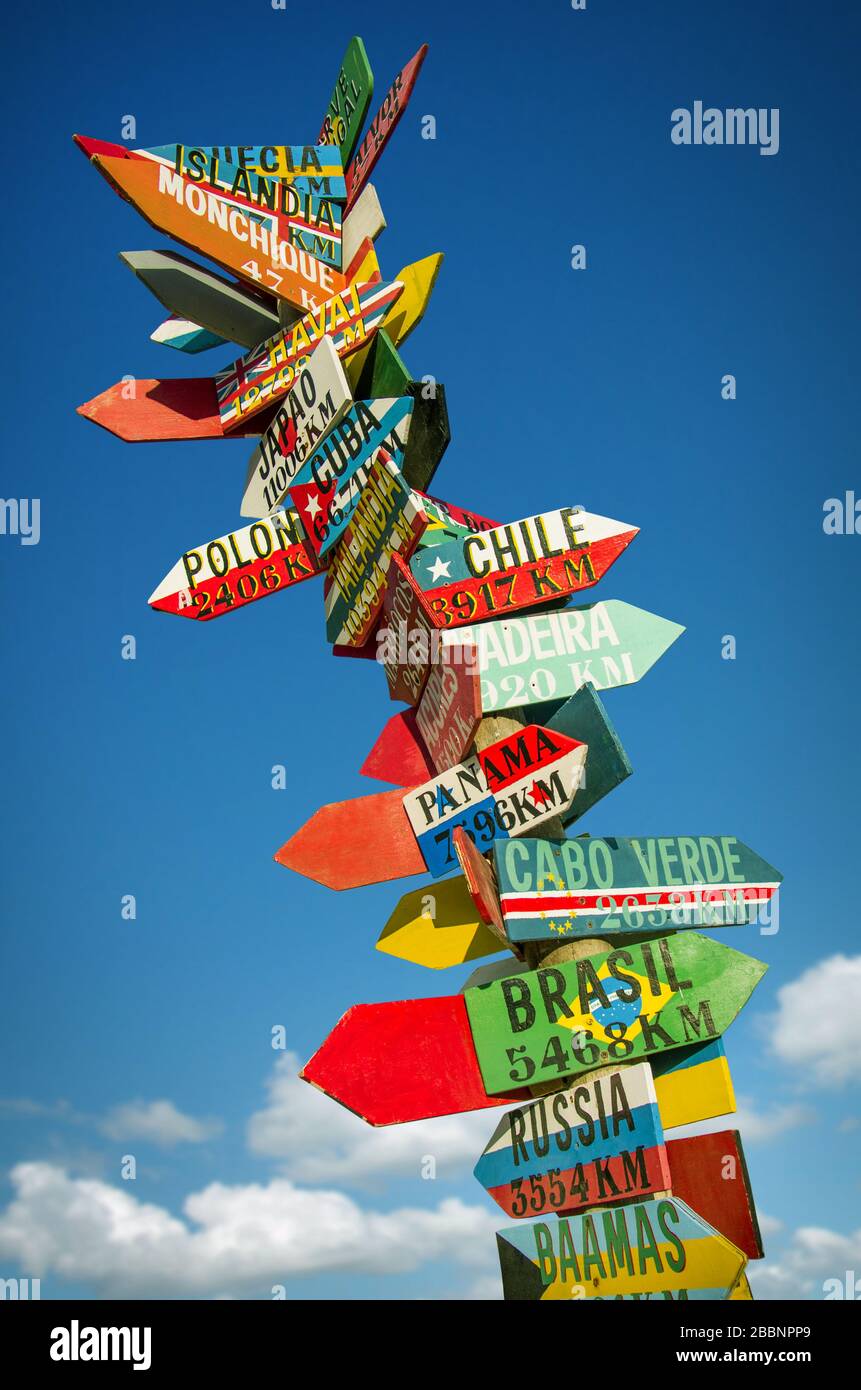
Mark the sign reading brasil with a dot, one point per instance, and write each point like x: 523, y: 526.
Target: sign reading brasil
x: 615, y: 1006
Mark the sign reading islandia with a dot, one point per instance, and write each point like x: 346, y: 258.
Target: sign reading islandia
x: 528, y: 562
x: 236, y: 569
x: 592, y: 886
x: 268, y: 372
x: 525, y: 661
x: 510, y: 787
x: 317, y: 401
x: 601, y: 1141
x: 658, y: 1249
x: 615, y: 1006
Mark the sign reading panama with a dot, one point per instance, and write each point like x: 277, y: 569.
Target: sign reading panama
x: 590, y: 886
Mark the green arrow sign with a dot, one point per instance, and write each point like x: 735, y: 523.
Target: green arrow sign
x: 524, y: 661
x: 613, y: 1007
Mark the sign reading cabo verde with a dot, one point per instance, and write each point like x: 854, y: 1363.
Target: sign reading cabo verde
x: 510, y: 787
x: 586, y: 886
x: 524, y: 661
x: 236, y: 569
x: 329, y: 484
x: 245, y: 236
x: 532, y: 561
x: 610, y: 1007
x: 658, y: 1249
x: 349, y: 102
x: 601, y: 1141
x: 388, y: 520
x: 317, y: 401
x: 268, y: 372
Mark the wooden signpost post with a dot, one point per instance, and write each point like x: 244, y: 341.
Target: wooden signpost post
x: 600, y: 1019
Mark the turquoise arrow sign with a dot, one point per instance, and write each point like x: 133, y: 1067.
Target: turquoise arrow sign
x: 524, y: 661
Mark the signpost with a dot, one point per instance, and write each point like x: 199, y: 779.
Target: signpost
x: 599, y: 1044
x: 318, y: 401
x: 236, y: 569
x: 619, y: 1005
x: 510, y: 788
x: 591, y: 886
x: 657, y: 1249
x: 537, y: 560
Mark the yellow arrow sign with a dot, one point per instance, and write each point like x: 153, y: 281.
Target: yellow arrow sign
x: 438, y: 926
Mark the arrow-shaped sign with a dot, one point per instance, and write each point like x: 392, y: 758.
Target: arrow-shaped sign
x: 526, y: 661
x: 658, y: 1249
x: 381, y: 127
x: 509, y: 788
x: 621, y: 1005
x: 552, y: 889
x: 414, y: 1059
x: 438, y: 926
x: 537, y: 560
x: 349, y: 102
x: 261, y: 559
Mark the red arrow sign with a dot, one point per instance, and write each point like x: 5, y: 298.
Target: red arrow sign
x: 399, y: 755
x: 414, y: 1060
x: 392, y: 108
x: 350, y: 844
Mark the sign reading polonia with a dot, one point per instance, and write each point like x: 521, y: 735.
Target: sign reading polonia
x: 318, y: 400
x: 236, y: 569
x: 525, y: 661
x: 601, y: 1141
x: 588, y: 887
x: 658, y: 1249
x: 268, y: 372
x: 512, y: 786
x: 615, y: 1006
x: 529, y: 562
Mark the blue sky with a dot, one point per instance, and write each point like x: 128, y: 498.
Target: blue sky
x: 602, y: 386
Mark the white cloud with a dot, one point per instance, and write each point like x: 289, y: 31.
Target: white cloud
x: 769, y: 1225
x: 813, y: 1256
x: 816, y: 1027
x: 233, y: 1240
x: 157, y: 1122
x: 757, y: 1124
x: 317, y: 1141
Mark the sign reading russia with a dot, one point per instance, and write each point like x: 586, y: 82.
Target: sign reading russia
x: 592, y: 886
x: 510, y: 787
x: 529, y: 562
x: 614, y: 1006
